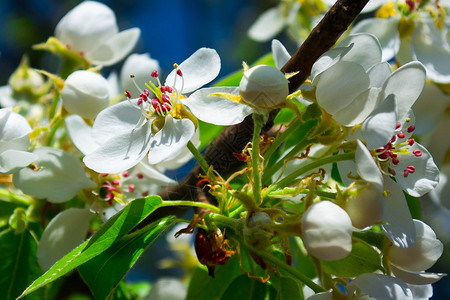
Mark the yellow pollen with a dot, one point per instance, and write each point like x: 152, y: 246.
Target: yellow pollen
x: 386, y: 11
x: 356, y: 127
x: 408, y: 119
x: 175, y: 66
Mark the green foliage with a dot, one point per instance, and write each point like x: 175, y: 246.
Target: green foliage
x: 114, y: 229
x: 204, y: 287
x: 362, y: 259
x: 19, y: 263
x: 105, y: 271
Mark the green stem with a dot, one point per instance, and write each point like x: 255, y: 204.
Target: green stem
x: 54, y: 127
x: 54, y: 105
x: 280, y: 139
x: 191, y: 203
x: 279, y: 164
x: 318, y: 163
x: 255, y: 158
x: 222, y: 220
x: 198, y: 157
x: 281, y: 264
x: 290, y: 191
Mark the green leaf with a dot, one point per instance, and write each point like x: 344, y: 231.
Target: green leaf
x: 204, y: 287
x: 287, y: 288
x: 112, y: 230
x: 208, y: 132
x: 414, y: 206
x: 19, y: 264
x: 244, y: 288
x: 362, y: 259
x: 104, y: 272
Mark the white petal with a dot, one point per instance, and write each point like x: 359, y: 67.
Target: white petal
x: 115, y: 48
x: 400, y: 226
x: 429, y: 108
x: 340, y: 84
x: 80, y: 134
x: 120, y: 153
x: 64, y: 233
x: 173, y: 137
x: 141, y: 66
x: 386, y: 30
x: 269, y: 24
x: 154, y: 175
x: 183, y: 156
x: 85, y: 93
x: 199, y: 69
x: 406, y: 83
x: 280, y: 54
x: 380, y: 287
x: 372, y: 5
x: 420, y: 278
x: 423, y: 254
x: 12, y: 125
x: 327, y: 231
x: 442, y: 190
x: 366, y: 49
x: 379, y: 126
x: 360, y: 108
x: 82, y: 29
x: 121, y: 118
x: 168, y: 289
x: 378, y: 74
x: 426, y: 175
x: 13, y: 160
x: 432, y: 49
x: 366, y: 166
x: 327, y: 60
x: 328, y: 295
x: 59, y: 177
x: 217, y: 110
x: 421, y: 292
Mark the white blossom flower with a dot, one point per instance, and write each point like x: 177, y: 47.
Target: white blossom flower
x: 66, y: 230
x: 327, y: 231
x: 14, y: 142
x: 58, y: 176
x: 410, y: 32
x: 91, y: 29
x: 159, y: 127
x: 271, y: 22
x: 85, y: 93
x: 409, y: 264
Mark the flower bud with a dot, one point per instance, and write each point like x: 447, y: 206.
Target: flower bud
x: 422, y: 254
x: 264, y: 86
x: 85, y: 93
x: 258, y: 232
x: 327, y: 231
x: 364, y: 205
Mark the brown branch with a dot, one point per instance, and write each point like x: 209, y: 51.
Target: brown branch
x: 233, y: 139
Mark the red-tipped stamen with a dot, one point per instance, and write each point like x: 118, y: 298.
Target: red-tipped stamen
x: 401, y: 135
x: 154, y: 74
x: 411, y: 128
x: 417, y: 153
x: 127, y: 94
x: 131, y: 188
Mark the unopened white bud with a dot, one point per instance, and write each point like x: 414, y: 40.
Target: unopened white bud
x: 364, y: 205
x: 327, y: 231
x: 264, y: 86
x: 85, y: 93
x: 422, y: 254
